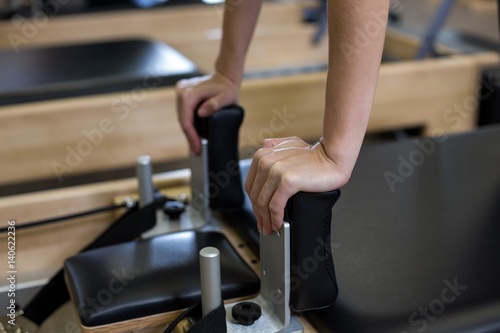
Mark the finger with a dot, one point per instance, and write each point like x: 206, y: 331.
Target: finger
x: 253, y: 169
x: 185, y: 112
x: 251, y: 187
x: 211, y: 105
x: 263, y: 201
x: 193, y: 138
x: 269, y: 169
x: 259, y: 222
x: 260, y: 200
x: 277, y: 204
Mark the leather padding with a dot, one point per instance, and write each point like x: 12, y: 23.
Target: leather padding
x: 222, y: 130
x: 157, y: 275
x: 312, y: 274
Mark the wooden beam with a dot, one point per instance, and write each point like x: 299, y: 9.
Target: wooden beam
x: 54, y: 139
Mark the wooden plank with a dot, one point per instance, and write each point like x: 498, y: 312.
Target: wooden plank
x: 64, y: 137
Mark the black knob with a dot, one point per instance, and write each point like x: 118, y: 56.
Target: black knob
x: 246, y: 313
x: 174, y: 209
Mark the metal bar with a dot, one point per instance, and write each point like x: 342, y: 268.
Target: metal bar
x: 211, y: 296
x: 145, y: 178
x: 200, y: 194
x: 435, y: 26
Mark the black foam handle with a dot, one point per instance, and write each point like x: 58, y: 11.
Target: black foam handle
x: 312, y: 274
x: 221, y: 130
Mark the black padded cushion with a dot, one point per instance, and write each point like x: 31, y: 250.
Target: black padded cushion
x: 158, y: 275
x: 243, y: 219
x: 34, y: 74
x: 426, y: 256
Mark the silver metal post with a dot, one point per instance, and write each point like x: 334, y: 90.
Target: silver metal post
x: 145, y: 178
x: 200, y: 194
x: 211, y: 296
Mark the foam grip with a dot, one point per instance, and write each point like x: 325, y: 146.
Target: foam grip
x: 312, y: 274
x: 221, y: 130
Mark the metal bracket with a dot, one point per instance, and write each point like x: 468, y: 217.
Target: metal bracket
x: 274, y: 297
x: 200, y: 191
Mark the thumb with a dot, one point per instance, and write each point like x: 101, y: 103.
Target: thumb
x: 210, y: 106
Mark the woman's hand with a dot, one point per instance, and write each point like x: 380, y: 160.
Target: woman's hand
x: 284, y: 167
x: 206, y: 94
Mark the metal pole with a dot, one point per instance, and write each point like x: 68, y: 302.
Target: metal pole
x: 436, y: 24
x: 145, y: 178
x: 211, y: 296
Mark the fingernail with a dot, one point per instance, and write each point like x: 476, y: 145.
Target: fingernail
x: 275, y: 229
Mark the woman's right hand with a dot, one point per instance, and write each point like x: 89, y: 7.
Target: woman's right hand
x: 205, y: 95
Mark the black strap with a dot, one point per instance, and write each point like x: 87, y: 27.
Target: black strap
x: 213, y: 322
x: 54, y: 294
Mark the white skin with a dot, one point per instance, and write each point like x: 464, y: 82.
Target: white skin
x: 285, y: 166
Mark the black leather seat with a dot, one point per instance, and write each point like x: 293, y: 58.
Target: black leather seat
x: 35, y: 74
x: 136, y: 279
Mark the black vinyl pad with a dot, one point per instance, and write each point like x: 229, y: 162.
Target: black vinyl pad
x: 138, y: 65
x: 157, y: 275
x: 422, y: 254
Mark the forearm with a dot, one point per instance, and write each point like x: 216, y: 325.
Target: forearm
x: 356, y: 37
x: 237, y: 31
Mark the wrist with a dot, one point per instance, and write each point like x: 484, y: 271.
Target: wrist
x: 232, y: 74
x: 343, y: 157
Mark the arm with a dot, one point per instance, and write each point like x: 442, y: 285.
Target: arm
x: 286, y: 166
x: 214, y: 91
